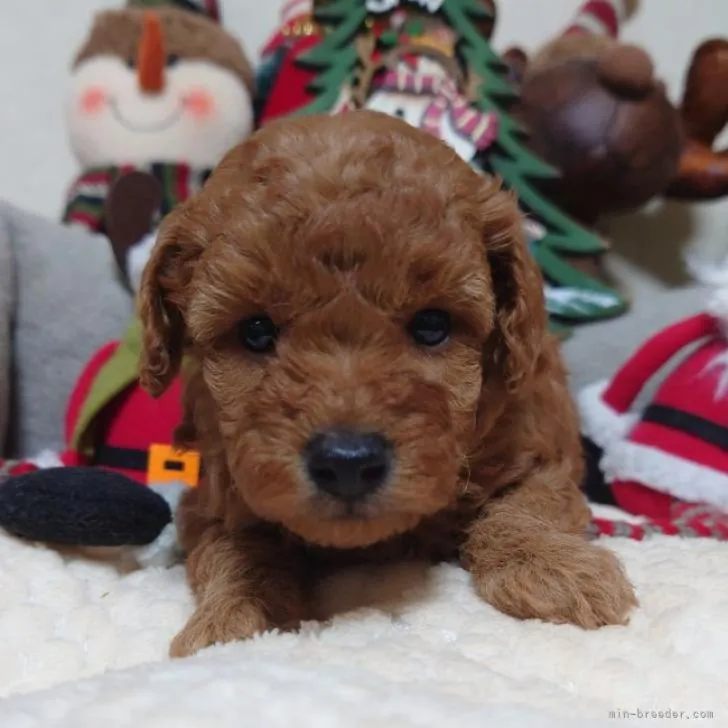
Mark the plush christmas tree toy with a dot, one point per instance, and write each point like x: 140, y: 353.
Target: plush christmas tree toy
x: 597, y: 112
x: 666, y: 460
x: 358, y: 54
x: 158, y: 87
x: 284, y: 83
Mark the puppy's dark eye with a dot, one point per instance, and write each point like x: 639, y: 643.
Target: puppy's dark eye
x: 258, y: 334
x: 430, y: 327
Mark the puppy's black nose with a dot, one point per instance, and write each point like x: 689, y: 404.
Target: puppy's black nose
x: 348, y: 465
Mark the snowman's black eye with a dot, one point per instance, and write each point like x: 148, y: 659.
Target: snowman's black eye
x: 131, y: 62
x: 172, y: 59
x: 399, y: 113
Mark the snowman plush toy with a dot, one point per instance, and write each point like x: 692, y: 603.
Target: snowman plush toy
x: 159, y: 92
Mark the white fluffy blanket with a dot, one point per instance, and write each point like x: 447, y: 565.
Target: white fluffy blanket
x: 82, y: 646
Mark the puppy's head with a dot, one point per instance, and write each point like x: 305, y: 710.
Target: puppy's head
x: 359, y: 307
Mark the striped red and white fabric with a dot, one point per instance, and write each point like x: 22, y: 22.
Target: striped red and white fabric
x: 478, y: 126
x: 598, y: 17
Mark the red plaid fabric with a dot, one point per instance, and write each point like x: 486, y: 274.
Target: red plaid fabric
x: 687, y: 520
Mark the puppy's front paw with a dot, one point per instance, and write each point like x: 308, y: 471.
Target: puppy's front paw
x: 216, y: 624
x: 562, y: 579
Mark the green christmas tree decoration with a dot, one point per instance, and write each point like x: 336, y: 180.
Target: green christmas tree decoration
x: 336, y: 57
x: 572, y: 295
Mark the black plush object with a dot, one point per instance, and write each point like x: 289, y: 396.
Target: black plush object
x: 595, y: 488
x: 82, y: 507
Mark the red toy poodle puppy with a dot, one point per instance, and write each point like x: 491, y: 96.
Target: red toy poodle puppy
x: 369, y: 376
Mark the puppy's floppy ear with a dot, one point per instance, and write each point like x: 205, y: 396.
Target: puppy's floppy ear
x: 520, y: 317
x: 163, y: 295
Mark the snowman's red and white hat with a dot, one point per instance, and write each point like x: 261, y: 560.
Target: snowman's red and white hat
x: 678, y: 442
x: 598, y: 17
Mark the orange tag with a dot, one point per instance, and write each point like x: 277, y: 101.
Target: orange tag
x: 166, y: 465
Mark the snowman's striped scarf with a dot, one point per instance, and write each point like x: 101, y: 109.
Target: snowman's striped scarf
x: 87, y: 196
x: 478, y: 126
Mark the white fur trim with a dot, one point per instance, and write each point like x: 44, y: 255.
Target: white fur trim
x: 46, y: 459
x: 611, y: 513
x: 666, y: 473
x: 589, y: 20
x: 137, y: 258
x: 715, y: 276
x: 171, y: 492
x: 384, y: 6
x: 591, y: 24
x: 708, y: 272
x: 163, y: 552
x: 717, y: 305
x: 600, y: 422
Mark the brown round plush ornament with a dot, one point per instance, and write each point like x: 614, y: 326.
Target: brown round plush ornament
x: 596, y: 111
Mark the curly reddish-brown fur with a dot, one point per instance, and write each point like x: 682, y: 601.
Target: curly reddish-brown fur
x: 341, y: 229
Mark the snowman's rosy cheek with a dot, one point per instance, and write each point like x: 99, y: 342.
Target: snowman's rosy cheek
x: 93, y: 100
x: 199, y: 103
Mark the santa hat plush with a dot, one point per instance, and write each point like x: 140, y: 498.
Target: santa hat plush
x: 210, y: 8
x: 598, y: 17
x: 677, y: 445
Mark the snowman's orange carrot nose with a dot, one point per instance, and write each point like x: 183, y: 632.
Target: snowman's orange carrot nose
x: 152, y: 56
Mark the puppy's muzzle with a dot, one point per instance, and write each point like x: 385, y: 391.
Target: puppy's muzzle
x: 348, y: 465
